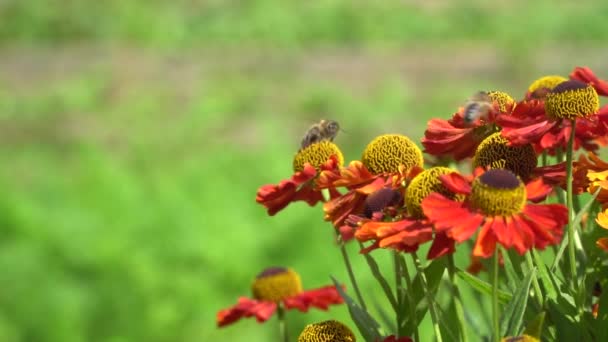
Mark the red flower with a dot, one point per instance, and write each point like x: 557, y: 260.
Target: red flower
x: 456, y: 137
x: 497, y: 202
x: 586, y: 75
x: 300, y: 187
x: 278, y: 286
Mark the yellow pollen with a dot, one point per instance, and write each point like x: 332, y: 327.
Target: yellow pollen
x: 385, y: 153
x: 276, y: 284
x: 497, y: 199
x: 570, y: 100
x: 494, y: 152
x: 504, y: 101
x: 327, y: 331
x: 424, y: 184
x: 316, y: 155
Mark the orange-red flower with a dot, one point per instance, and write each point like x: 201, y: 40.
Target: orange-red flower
x: 456, y: 137
x: 278, y: 286
x: 586, y: 75
x: 300, y: 187
x: 496, y: 201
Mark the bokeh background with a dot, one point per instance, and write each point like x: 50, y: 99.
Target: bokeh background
x: 134, y: 134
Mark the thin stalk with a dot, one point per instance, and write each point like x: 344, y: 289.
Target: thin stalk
x: 457, y: 298
x: 539, y: 295
x: 410, y: 297
x: 351, y: 275
x: 282, y: 323
x: 429, y: 297
x: 495, y: 312
x: 569, y: 204
x: 399, y: 293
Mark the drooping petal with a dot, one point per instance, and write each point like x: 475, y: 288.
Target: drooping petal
x: 586, y: 75
x: 411, y: 235
x: 262, y: 310
x: 277, y: 197
x: 443, y: 138
x: 456, y: 183
x: 441, y: 246
x: 320, y: 298
x: 338, y: 209
x: 453, y: 216
x: 502, y: 231
x: 486, y: 241
x: 523, y: 235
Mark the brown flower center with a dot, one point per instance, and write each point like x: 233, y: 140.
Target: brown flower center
x: 498, y: 193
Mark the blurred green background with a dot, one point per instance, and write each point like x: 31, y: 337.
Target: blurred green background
x: 134, y: 135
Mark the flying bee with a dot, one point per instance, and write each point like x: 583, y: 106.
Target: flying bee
x: 322, y: 130
x: 478, y: 106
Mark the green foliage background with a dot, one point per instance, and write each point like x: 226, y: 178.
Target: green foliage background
x: 134, y: 134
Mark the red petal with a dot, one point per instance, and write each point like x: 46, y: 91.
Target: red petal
x: 277, y: 197
x: 602, y: 243
x: 443, y: 138
x: 486, y: 241
x: 450, y: 215
x: 537, y: 190
x: 441, y: 246
x: 584, y: 74
x: 527, y: 134
x: 502, y: 231
x: 456, y: 183
x: 246, y: 307
x: 319, y: 298
x: 410, y: 236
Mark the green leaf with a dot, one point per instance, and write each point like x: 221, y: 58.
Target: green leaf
x: 512, y: 277
x: 512, y: 317
x: 483, y: 286
x: 373, y: 266
x: 535, y: 328
x: 546, y: 278
x: 366, y: 324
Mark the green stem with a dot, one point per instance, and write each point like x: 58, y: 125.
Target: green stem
x: 457, y: 298
x: 282, y: 323
x: 410, y: 297
x: 539, y: 295
x: 495, y: 312
x: 429, y: 297
x: 351, y: 275
x: 569, y: 204
x: 399, y: 293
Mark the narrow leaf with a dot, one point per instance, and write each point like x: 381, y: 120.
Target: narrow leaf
x: 512, y: 277
x: 373, y: 266
x: 546, y: 278
x: 482, y: 286
x: 367, y: 326
x: 513, y: 314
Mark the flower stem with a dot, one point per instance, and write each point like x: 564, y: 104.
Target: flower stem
x: 569, y: 204
x: 457, y: 299
x: 351, y: 275
x: 539, y: 295
x: 495, y: 312
x: 429, y: 297
x: 400, y: 292
x: 282, y: 323
x: 412, y: 306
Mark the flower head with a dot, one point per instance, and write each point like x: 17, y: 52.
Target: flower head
x: 327, y: 331
x: 317, y: 155
x: 388, y: 152
x: 496, y: 152
x: 459, y: 139
x: 496, y: 201
x: 278, y: 286
x: 539, y: 89
x: 572, y: 99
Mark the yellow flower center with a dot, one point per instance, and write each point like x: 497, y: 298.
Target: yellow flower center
x: 542, y: 86
x: 505, y: 101
x: 316, y: 155
x: 422, y: 185
x: 495, y: 152
x: 275, y: 284
x: 498, y: 193
x: 327, y: 331
x: 385, y: 153
x: 572, y: 99
x: 522, y: 338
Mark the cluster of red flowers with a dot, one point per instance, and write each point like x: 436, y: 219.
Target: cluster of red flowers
x: 388, y: 199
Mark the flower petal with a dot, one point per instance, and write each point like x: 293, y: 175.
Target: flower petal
x: 486, y: 241
x: 586, y: 75
x: 441, y: 246
x: 456, y: 183
x: 320, y: 298
x: 246, y: 307
x: 277, y: 197
x: 602, y: 243
x: 537, y: 190
x: 602, y: 219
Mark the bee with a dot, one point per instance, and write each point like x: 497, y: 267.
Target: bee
x: 322, y: 130
x: 478, y: 106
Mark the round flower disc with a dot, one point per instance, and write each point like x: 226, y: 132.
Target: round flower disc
x: 572, y: 99
x: 316, y: 155
x: 327, y: 331
x: 498, y: 192
x: 275, y: 284
x: 494, y: 152
x: 385, y: 153
x: 424, y: 184
x: 504, y: 100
